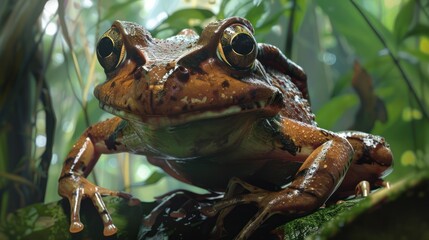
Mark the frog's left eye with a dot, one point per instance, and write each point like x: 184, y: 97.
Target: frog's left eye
x: 110, y: 49
x: 237, y: 47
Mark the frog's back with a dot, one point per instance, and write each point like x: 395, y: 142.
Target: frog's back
x: 291, y: 80
x: 296, y: 106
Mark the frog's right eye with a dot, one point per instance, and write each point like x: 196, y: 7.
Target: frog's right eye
x: 237, y: 47
x: 110, y: 49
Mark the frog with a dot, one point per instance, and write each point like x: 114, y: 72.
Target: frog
x: 221, y: 112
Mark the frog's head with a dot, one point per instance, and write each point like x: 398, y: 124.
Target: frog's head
x: 184, y: 77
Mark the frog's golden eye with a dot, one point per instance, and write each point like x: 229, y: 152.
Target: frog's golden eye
x: 110, y: 49
x: 237, y: 47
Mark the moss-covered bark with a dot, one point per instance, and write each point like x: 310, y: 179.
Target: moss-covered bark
x: 397, y: 213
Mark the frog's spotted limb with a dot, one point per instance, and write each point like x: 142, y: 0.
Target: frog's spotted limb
x: 318, y: 177
x: 79, y: 162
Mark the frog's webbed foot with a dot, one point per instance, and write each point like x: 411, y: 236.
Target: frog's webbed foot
x: 75, y: 188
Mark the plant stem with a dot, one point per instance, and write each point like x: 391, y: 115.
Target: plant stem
x: 394, y: 59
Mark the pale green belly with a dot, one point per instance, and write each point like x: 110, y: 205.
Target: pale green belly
x: 188, y: 141
x: 208, y: 153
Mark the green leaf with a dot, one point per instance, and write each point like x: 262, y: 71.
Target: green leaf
x: 238, y: 9
x: 329, y: 114
x: 115, y: 8
x: 404, y: 20
x: 182, y: 19
x: 346, y: 20
x: 255, y: 13
x: 418, y: 55
x: 418, y: 30
x: 301, y: 10
x: 222, y: 8
x: 344, y: 82
x: 267, y: 24
x: 154, y: 178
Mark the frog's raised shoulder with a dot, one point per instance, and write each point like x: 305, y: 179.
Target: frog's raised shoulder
x: 214, y: 108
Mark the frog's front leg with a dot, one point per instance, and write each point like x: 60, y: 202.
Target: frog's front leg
x: 327, y: 157
x: 101, y: 138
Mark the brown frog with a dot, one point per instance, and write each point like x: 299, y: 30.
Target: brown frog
x: 221, y: 112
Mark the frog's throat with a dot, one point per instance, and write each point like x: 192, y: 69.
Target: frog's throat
x: 177, y: 119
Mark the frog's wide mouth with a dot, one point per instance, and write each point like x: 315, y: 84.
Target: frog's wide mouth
x: 262, y: 107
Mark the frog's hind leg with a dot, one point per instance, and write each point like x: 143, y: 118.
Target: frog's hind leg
x: 314, y: 182
x: 320, y: 174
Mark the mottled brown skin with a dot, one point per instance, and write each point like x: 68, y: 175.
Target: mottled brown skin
x: 216, y: 109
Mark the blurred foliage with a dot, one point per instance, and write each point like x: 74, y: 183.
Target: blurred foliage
x: 24, y: 96
x: 389, y: 38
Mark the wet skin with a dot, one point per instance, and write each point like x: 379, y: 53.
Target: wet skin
x: 218, y: 111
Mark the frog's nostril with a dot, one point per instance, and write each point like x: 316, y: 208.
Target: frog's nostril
x: 138, y: 73
x: 182, y: 74
x: 277, y: 99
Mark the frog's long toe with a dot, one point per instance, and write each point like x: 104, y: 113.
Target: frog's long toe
x: 260, y: 217
x: 109, y: 227
x: 75, y: 199
x: 363, y: 189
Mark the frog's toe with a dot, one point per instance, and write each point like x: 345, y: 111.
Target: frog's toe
x: 363, y: 189
x: 382, y: 183
x: 385, y: 184
x: 108, y: 192
x: 70, y: 188
x: 109, y: 230
x: 97, y: 200
x: 260, y: 217
x: 76, y: 227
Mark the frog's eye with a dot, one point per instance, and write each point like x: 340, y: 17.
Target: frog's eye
x: 110, y: 49
x: 237, y: 47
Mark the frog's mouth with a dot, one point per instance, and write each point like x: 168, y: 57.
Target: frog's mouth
x: 269, y: 107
